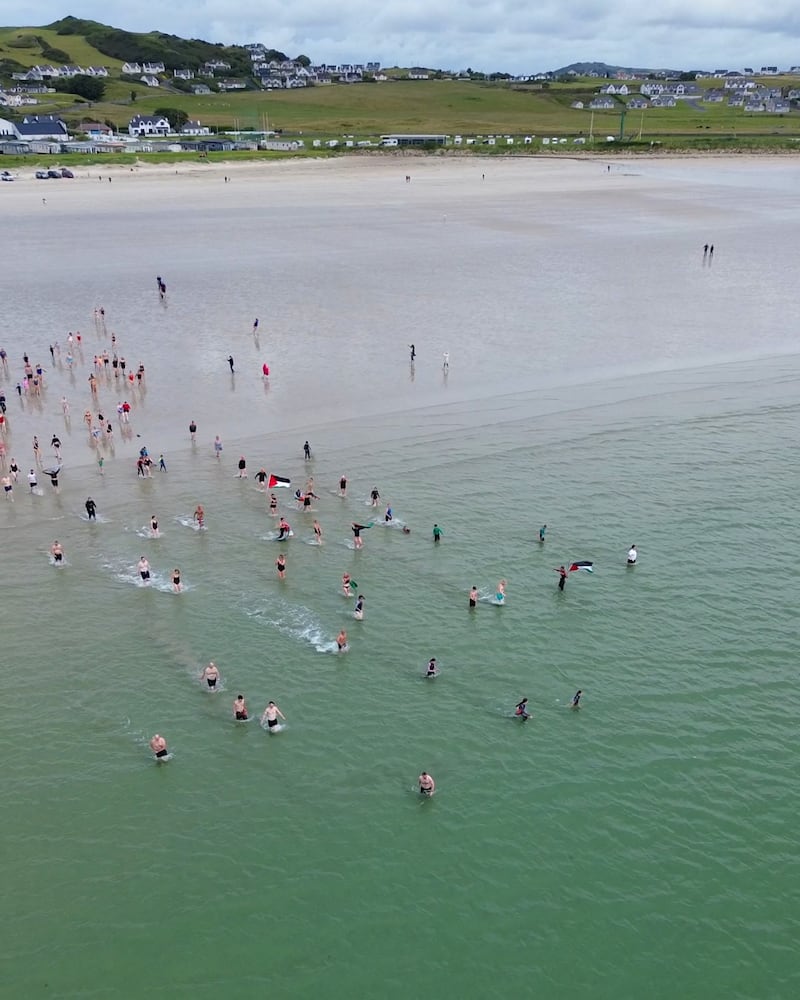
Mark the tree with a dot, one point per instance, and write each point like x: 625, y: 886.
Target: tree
x: 133, y: 97
x: 303, y: 61
x: 91, y: 88
x: 175, y: 116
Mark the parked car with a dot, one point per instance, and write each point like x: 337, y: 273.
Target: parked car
x: 55, y: 174
x: 67, y: 173
x: 41, y: 175
x: 6, y: 176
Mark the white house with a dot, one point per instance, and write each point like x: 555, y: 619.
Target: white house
x: 578, y: 105
x: 195, y: 128
x: 96, y: 71
x: 183, y: 74
x: 43, y: 127
x: 149, y: 80
x: 615, y: 88
x: 131, y: 68
x: 154, y: 67
x: 603, y: 104
x: 141, y: 125
x: 201, y: 88
x: 232, y: 84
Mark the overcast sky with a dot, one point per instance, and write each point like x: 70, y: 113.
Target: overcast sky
x: 515, y: 36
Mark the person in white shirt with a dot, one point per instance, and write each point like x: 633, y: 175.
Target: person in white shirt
x: 632, y: 555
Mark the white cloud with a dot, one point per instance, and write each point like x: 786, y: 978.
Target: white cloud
x: 511, y: 35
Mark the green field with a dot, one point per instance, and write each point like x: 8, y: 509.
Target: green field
x: 441, y: 106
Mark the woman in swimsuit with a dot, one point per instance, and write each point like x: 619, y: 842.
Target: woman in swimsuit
x: 273, y: 505
x: 346, y: 585
x: 154, y: 526
x: 176, y: 580
x: 280, y: 563
x: 358, y: 614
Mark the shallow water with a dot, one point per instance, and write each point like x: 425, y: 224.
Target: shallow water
x: 640, y: 845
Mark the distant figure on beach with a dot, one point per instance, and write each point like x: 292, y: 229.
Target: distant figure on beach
x: 542, y: 530
x: 162, y: 464
x: 264, y: 370
x: 192, y: 430
x: 307, y: 451
x: 217, y: 446
x: 705, y: 249
x: 576, y: 700
x: 427, y: 786
x: 158, y: 744
x: 446, y: 361
x: 255, y: 321
x: 240, y: 708
x: 270, y: 715
x: 711, y: 250
x: 230, y: 362
x: 91, y: 509
x: 210, y: 675
x: 633, y: 555
x: 562, y: 577
x: 522, y: 710
x: 413, y: 352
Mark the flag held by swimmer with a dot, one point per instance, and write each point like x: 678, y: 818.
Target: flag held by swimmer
x: 276, y: 481
x: 582, y: 564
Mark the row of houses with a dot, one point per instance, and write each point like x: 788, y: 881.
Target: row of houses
x: 47, y: 72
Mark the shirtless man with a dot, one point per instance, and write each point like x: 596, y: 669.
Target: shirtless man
x: 271, y: 715
x: 199, y: 516
x: 57, y: 552
x: 341, y: 641
x: 318, y: 532
x: 210, y: 675
x: 143, y: 567
x: 159, y: 746
x: 427, y: 786
x: 473, y: 597
x: 240, y: 709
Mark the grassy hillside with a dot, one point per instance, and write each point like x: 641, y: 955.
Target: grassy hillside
x: 24, y: 46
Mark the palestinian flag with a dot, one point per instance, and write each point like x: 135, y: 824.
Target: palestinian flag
x: 582, y: 564
x: 275, y: 481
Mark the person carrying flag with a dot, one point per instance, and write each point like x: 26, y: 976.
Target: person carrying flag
x: 562, y: 576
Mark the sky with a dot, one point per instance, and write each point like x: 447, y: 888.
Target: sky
x: 513, y: 36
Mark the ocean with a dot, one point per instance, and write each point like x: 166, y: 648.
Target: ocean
x: 606, y: 379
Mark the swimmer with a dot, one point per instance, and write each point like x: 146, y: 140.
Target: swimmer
x: 283, y: 528
x: 270, y: 715
x: 199, y: 516
x: 522, y: 710
x: 57, y: 552
x: 240, y: 709
x: 342, y: 486
x: 541, y: 533
x: 427, y: 786
x: 159, y: 746
x: 273, y: 504
x: 431, y: 671
x: 341, y: 640
x: 633, y: 555
x: 387, y: 517
x: 358, y: 614
x: 91, y: 509
x: 210, y: 675
x: 357, y: 539
x: 154, y: 527
x: 473, y: 597
x: 261, y: 478
x: 346, y: 585
x: 176, y: 580
x: 144, y: 569
x: 374, y: 496
x: 318, y: 532
x: 280, y: 564
x: 500, y: 595
x: 576, y: 700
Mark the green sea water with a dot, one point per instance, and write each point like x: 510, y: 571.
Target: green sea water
x: 641, y: 846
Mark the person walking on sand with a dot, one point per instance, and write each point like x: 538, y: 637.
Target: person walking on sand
x: 413, y: 352
x: 230, y: 362
x: 192, y: 430
x: 446, y: 361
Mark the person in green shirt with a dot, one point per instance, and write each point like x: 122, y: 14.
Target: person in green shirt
x: 437, y: 533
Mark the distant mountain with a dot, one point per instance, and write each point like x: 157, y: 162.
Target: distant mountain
x: 601, y: 69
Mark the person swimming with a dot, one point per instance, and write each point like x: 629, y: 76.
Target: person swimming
x: 427, y: 786
x: 431, y: 671
x: 358, y: 613
x: 500, y: 596
x: 522, y: 710
x: 576, y: 699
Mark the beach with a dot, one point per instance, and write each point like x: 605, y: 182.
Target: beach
x: 606, y: 377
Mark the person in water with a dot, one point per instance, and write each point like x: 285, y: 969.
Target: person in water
x: 427, y: 786
x: 388, y: 515
x: 357, y: 540
x: 176, y: 580
x: 144, y: 569
x: 358, y: 614
x: 159, y: 746
x: 437, y: 533
x: 91, y: 509
x: 199, y: 516
x: 374, y: 496
x: 342, y: 486
x: 57, y: 552
x: 633, y: 555
x: 318, y: 532
x: 280, y: 565
x: 541, y: 533
x: 500, y: 595
x: 576, y: 700
x: 270, y: 715
x: 284, y: 528
x: 154, y: 526
x: 341, y: 641
x: 522, y: 710
x: 240, y: 708
x: 431, y: 671
x: 210, y: 675
x: 562, y: 577
x: 346, y: 585
x: 306, y: 451
x: 473, y: 597
x: 273, y: 504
